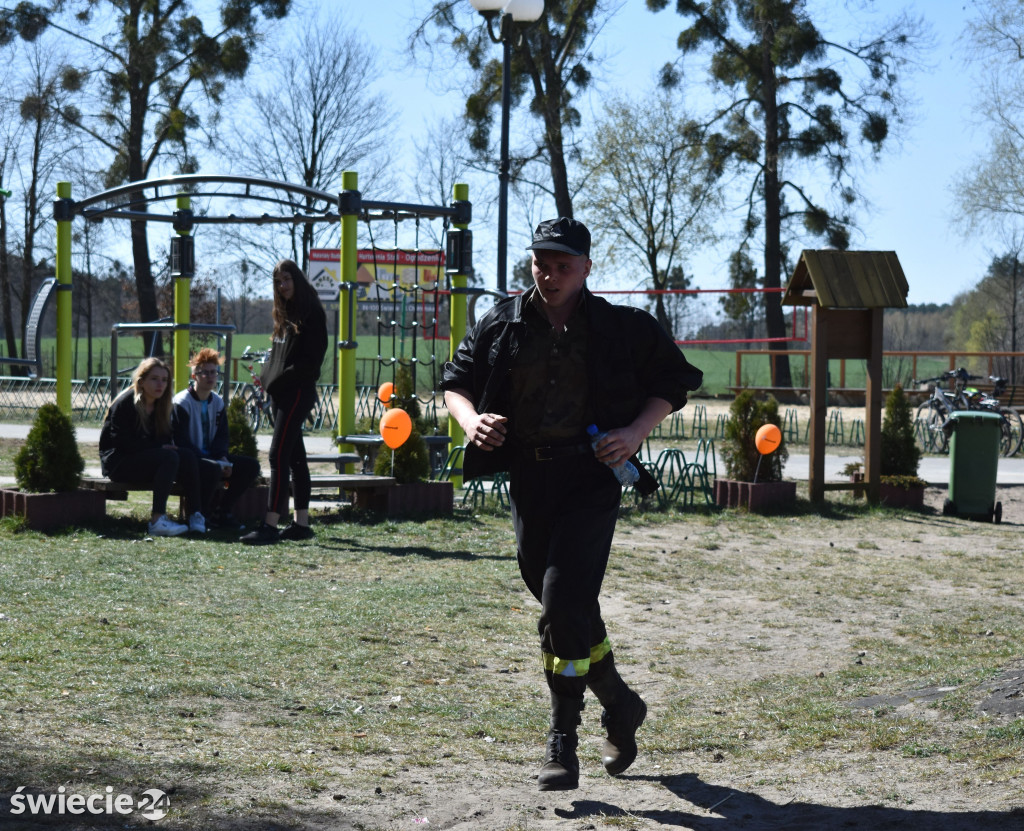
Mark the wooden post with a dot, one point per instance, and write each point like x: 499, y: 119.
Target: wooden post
x: 873, y: 405
x: 819, y: 404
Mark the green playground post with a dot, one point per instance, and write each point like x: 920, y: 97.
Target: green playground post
x: 63, y: 275
x: 182, y: 271
x: 457, y: 318
x: 347, y: 310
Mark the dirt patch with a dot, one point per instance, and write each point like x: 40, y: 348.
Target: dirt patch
x: 715, y: 617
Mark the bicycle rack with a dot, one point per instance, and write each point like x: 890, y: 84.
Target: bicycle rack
x: 791, y: 425
x: 835, y: 433
x: 700, y: 421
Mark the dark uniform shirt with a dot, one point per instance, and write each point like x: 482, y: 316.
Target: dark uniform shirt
x: 549, y: 380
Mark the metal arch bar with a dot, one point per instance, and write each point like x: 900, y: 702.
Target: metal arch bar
x: 385, y: 210
x: 199, y: 178
x: 197, y: 219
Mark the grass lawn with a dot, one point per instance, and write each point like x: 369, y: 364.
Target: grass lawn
x: 389, y: 671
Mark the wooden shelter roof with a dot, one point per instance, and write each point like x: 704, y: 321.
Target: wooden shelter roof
x: 847, y: 280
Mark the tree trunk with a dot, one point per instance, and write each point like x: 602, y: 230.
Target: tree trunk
x: 775, y: 320
x: 548, y: 85
x: 5, y: 284
x: 145, y: 287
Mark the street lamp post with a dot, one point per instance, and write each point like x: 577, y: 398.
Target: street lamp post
x: 508, y: 13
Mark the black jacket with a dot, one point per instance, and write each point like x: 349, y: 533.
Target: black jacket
x: 630, y: 358
x: 296, y: 361
x: 122, y: 434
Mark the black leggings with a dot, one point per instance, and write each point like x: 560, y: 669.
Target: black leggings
x: 161, y: 467
x: 288, y: 452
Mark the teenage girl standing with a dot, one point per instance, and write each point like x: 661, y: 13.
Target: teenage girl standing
x: 290, y: 378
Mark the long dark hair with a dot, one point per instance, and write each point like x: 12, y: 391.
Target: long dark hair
x: 289, y: 315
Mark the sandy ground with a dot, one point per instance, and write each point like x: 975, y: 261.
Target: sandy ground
x: 830, y: 788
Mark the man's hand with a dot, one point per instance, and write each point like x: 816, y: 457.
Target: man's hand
x: 485, y: 430
x: 619, y: 445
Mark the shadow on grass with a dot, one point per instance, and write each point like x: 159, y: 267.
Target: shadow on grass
x: 190, y: 788
x: 326, y: 542
x: 717, y: 808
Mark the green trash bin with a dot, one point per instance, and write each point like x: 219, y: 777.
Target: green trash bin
x: 974, y: 438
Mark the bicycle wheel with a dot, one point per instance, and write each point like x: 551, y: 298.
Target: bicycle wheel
x: 1013, y: 431
x: 928, y: 426
x: 253, y: 410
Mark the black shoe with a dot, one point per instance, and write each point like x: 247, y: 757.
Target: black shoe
x: 263, y: 535
x: 296, y: 532
x: 622, y: 722
x: 561, y: 770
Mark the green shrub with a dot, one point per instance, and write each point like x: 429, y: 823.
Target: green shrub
x: 412, y: 460
x: 739, y: 449
x: 241, y: 440
x: 49, y: 461
x: 900, y: 453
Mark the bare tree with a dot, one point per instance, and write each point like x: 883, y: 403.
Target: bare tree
x: 990, y: 192
x: 313, y: 116
x: 10, y: 137
x: 650, y: 189
x: 145, y: 72
x: 46, y: 143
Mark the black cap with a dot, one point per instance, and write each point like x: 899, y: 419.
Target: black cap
x: 562, y: 234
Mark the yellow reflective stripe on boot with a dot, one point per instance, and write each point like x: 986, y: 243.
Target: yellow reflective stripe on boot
x: 562, y: 666
x: 600, y: 651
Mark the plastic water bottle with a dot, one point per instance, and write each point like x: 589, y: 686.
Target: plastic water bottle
x: 626, y: 471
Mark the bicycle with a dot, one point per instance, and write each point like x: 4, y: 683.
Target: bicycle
x: 257, y: 403
x: 933, y: 413
x: 1013, y: 424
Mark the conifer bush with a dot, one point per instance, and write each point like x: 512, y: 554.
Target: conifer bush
x: 412, y: 458
x: 900, y: 453
x: 241, y: 439
x: 49, y: 461
x: 739, y: 448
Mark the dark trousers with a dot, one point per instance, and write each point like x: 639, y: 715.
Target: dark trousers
x: 162, y: 467
x: 244, y: 470
x: 564, y: 513
x: 288, y: 452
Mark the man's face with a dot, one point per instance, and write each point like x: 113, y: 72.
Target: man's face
x: 206, y: 377
x: 559, y: 277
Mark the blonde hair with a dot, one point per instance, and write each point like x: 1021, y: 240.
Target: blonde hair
x: 162, y: 406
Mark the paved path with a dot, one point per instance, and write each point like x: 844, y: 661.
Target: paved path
x: 933, y: 469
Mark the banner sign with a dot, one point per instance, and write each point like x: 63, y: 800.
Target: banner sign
x: 378, y: 272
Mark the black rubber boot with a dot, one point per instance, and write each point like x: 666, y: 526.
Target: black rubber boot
x: 561, y: 769
x: 624, y: 711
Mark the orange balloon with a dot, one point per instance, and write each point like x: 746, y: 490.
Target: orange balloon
x: 395, y: 428
x: 385, y: 391
x: 768, y: 439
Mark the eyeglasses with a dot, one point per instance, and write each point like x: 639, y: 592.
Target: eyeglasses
x: 209, y: 373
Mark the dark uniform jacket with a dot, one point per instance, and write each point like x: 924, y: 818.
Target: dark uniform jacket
x: 630, y: 358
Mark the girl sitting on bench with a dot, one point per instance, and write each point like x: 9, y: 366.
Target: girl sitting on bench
x: 136, y: 445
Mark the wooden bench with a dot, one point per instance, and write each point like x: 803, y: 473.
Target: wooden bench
x: 339, y: 460
x: 251, y: 505
x: 368, y: 491
x: 365, y: 486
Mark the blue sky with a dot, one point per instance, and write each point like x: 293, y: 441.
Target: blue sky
x: 909, y: 190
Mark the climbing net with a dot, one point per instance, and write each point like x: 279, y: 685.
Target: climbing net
x: 408, y: 300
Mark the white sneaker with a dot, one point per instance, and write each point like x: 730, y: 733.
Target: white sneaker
x: 197, y: 523
x: 166, y: 527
